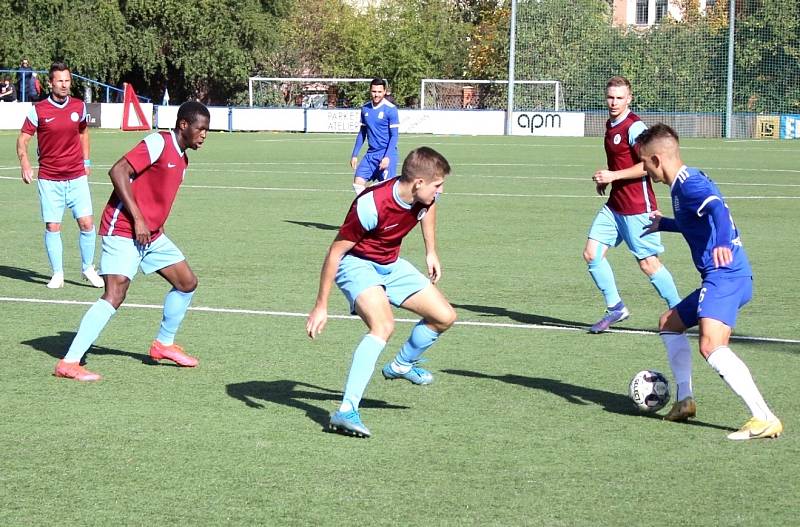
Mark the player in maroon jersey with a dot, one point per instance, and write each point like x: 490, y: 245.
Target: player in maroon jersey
x: 364, y: 262
x: 64, y: 167
x: 146, y: 182
x: 627, y: 211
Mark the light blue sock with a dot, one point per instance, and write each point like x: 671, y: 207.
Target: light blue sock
x: 92, y: 324
x: 364, y: 358
x: 603, y: 277
x: 175, y: 305
x: 422, y: 337
x: 55, y: 249
x: 86, y: 245
x: 665, y: 285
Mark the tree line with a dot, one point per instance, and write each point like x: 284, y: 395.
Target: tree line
x: 206, y: 49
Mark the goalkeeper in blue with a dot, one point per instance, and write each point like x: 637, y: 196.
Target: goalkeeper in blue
x: 705, y: 222
x: 380, y: 125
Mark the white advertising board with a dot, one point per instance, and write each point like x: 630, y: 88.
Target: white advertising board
x: 549, y: 124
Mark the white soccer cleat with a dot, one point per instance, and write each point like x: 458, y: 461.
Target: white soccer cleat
x: 57, y: 281
x: 91, y: 275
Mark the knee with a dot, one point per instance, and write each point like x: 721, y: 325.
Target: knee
x: 650, y: 266
x: 383, y: 329
x: 445, y: 320
x: 85, y: 223
x: 114, y: 297
x: 188, y: 285
x: 663, y: 322
x: 53, y: 227
x: 588, y: 257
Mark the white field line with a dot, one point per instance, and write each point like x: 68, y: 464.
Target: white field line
x: 476, y: 194
x: 260, y: 312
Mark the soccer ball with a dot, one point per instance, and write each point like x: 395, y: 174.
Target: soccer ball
x: 649, y: 391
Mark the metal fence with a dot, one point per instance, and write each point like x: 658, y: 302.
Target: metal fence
x: 710, y: 68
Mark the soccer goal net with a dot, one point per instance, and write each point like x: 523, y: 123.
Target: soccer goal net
x: 307, y: 92
x: 451, y: 94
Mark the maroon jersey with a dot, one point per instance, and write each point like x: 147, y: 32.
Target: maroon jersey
x: 627, y: 196
x: 59, y: 144
x: 160, y: 166
x: 377, y: 222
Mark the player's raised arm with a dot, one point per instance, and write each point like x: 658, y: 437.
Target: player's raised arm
x: 318, y: 316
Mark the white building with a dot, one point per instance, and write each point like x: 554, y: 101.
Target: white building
x: 649, y: 12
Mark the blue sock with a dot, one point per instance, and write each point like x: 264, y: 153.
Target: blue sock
x: 364, y: 358
x: 422, y: 337
x: 175, y: 305
x: 55, y: 249
x: 665, y: 285
x: 86, y: 245
x: 603, y: 277
x: 92, y: 324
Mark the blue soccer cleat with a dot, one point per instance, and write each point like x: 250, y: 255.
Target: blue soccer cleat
x: 415, y: 375
x: 348, y: 423
x: 610, y: 317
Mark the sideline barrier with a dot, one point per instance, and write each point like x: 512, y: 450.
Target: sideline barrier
x: 439, y: 122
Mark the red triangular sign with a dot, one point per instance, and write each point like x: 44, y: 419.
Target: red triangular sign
x: 130, y: 100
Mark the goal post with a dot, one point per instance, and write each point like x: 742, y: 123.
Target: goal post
x: 459, y: 94
x: 307, y: 92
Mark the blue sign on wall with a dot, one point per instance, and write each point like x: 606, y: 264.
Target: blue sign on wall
x: 790, y: 126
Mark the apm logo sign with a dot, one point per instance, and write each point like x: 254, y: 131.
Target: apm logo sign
x: 539, y: 120
x: 548, y: 124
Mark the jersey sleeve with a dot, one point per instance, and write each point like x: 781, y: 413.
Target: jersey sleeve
x: 83, y: 123
x: 697, y: 194
x: 394, y: 129
x: 361, y: 218
x: 146, y: 152
x: 31, y: 122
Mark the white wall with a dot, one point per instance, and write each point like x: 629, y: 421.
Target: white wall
x: 440, y: 122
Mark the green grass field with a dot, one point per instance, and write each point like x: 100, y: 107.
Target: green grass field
x: 527, y: 422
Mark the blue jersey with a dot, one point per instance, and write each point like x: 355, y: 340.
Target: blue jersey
x: 380, y: 126
x: 692, y: 196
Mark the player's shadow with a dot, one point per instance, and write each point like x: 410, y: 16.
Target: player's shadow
x: 611, y: 402
x: 57, y: 345
x: 31, y: 276
x: 295, y: 394
x: 314, y: 225
x: 525, y: 318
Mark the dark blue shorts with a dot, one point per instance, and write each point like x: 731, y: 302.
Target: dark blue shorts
x: 718, y: 297
x: 368, y: 167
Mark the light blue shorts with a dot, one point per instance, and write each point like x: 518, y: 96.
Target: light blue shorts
x: 400, y: 279
x: 611, y: 229
x: 719, y: 298
x: 55, y: 196
x: 368, y: 167
x: 124, y: 256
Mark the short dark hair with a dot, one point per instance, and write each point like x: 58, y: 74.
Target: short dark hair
x: 424, y: 162
x: 378, y: 82
x: 190, y: 111
x: 57, y: 66
x: 657, y: 131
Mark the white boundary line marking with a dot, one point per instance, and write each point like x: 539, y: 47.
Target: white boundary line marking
x: 477, y: 194
x: 509, y: 325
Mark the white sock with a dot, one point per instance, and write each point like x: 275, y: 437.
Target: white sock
x: 679, y: 355
x: 358, y: 188
x: 735, y: 373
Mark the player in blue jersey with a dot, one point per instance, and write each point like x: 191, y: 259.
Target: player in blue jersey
x: 703, y: 218
x: 380, y: 126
